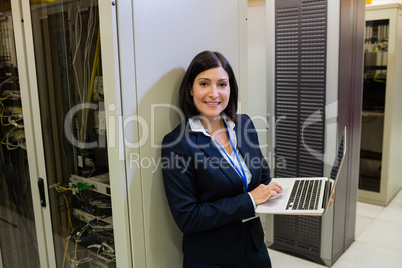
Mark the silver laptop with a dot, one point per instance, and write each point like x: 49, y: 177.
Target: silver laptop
x: 306, y: 196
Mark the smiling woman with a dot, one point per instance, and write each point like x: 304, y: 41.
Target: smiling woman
x: 211, y: 184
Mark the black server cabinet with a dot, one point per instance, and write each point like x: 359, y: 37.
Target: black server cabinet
x: 300, y: 99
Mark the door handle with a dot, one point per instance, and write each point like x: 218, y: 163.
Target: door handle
x: 42, y: 192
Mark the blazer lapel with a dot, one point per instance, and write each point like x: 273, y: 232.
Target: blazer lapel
x: 246, y: 151
x: 215, y: 157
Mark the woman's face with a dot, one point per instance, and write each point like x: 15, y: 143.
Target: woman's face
x: 211, y: 92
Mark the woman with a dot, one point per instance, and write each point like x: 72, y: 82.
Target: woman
x: 214, y: 172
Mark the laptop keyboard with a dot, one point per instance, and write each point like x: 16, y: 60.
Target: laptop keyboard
x: 305, y: 195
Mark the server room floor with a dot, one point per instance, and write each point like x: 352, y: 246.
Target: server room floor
x: 377, y: 240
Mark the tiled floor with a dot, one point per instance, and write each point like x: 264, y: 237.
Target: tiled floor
x: 378, y: 240
x: 18, y: 247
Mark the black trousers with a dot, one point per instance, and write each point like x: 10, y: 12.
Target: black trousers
x: 252, y: 259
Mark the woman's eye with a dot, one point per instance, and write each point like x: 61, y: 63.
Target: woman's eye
x: 223, y: 85
x: 203, y: 84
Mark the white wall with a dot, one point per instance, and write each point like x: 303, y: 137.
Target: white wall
x: 257, y: 74
x: 257, y: 71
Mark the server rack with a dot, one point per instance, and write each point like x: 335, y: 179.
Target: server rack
x: 379, y: 179
x: 311, y: 104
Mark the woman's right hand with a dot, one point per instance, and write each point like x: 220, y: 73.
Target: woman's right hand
x: 263, y: 192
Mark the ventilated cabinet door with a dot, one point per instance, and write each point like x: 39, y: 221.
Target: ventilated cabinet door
x: 72, y: 123
x: 374, y: 89
x: 380, y: 153
x: 17, y: 222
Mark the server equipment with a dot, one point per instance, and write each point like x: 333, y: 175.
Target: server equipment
x: 312, y: 103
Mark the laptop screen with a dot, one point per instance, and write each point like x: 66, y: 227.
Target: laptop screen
x: 335, y: 171
x: 339, y: 157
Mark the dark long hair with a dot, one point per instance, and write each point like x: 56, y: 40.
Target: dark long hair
x: 204, y: 61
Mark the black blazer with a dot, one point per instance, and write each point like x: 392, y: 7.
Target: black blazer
x: 206, y: 195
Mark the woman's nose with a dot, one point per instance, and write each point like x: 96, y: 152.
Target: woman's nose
x: 214, y: 92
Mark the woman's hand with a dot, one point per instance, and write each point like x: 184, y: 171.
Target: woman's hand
x: 263, y: 192
x: 331, y: 201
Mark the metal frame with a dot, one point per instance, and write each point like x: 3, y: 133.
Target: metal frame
x: 33, y: 132
x: 25, y: 58
x: 115, y: 127
x: 390, y: 173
